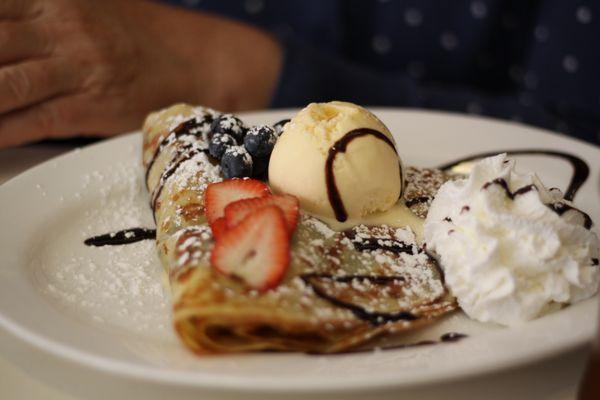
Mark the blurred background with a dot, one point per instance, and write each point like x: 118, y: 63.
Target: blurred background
x: 529, y: 61
x: 81, y: 67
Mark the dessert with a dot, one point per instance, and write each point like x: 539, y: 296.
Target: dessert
x: 339, y: 160
x: 250, y: 271
x: 308, y: 235
x: 511, y: 248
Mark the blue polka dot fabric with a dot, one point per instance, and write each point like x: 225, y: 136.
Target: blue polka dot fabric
x: 536, y: 62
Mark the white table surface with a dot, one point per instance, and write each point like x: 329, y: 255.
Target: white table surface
x: 552, y: 379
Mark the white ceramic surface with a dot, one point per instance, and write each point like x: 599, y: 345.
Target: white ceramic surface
x: 104, y: 310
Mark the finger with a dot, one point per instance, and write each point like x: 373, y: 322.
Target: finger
x: 21, y: 40
x: 12, y: 9
x: 30, y: 82
x: 58, y: 117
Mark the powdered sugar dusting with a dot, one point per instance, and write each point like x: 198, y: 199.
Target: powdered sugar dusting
x: 114, y: 285
x: 196, y: 173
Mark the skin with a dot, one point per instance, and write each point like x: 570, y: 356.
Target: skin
x: 590, y: 384
x: 590, y: 389
x: 80, y: 67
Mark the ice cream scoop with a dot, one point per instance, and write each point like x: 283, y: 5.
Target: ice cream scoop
x: 339, y: 160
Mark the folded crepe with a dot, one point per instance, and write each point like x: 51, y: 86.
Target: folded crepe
x: 341, y: 290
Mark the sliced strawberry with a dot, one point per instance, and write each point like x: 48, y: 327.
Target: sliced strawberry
x: 257, y: 250
x: 218, y: 195
x: 219, y: 226
x: 239, y: 210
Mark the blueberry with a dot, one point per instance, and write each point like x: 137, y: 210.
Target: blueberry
x: 260, y: 167
x: 236, y: 163
x: 219, y: 143
x: 259, y: 141
x: 278, y: 126
x: 231, y: 125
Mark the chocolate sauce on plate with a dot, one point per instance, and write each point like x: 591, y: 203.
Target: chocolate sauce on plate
x: 340, y: 146
x: 449, y: 337
x: 561, y: 208
x: 126, y: 236
x: 581, y: 171
x: 452, y: 337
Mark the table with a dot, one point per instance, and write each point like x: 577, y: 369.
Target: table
x: 552, y: 379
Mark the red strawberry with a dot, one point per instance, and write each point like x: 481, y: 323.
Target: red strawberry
x: 257, y: 250
x: 218, y: 195
x: 239, y: 210
x: 219, y: 226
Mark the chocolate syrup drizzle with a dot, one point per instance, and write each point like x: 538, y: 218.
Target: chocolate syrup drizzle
x: 184, y: 154
x: 185, y: 128
x: 373, y: 317
x: 395, y: 246
x: 559, y: 207
x: 126, y: 236
x: 581, y: 171
x: 416, y: 200
x: 449, y: 337
x: 504, y: 185
x: 340, y: 146
x: 371, y: 244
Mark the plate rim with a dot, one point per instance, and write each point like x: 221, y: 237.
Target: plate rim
x: 201, y: 379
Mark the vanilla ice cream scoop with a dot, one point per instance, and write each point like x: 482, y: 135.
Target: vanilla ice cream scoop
x: 339, y: 160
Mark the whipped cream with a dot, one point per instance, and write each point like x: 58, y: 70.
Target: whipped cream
x: 510, y: 248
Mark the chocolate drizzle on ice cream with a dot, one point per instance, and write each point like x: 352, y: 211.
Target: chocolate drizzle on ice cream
x: 340, y: 146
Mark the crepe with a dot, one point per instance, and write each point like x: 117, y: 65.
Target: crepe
x: 341, y: 290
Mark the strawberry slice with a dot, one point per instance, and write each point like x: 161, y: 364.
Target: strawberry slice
x: 219, y: 226
x: 237, y: 211
x: 218, y: 195
x: 257, y: 250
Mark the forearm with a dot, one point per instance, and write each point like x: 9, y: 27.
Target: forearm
x: 223, y: 63
x: 98, y: 68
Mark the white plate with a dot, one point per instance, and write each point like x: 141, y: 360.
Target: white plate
x: 104, y: 311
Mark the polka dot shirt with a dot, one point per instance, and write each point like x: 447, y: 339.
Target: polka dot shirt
x: 535, y: 61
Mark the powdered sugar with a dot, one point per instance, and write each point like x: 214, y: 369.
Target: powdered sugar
x: 318, y: 225
x: 240, y: 151
x: 120, y: 286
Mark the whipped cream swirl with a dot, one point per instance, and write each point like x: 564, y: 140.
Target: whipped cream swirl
x: 510, y: 248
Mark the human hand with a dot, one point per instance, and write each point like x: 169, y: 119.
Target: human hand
x: 589, y: 388
x: 80, y: 67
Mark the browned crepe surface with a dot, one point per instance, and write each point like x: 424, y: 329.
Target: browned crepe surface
x: 342, y: 289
